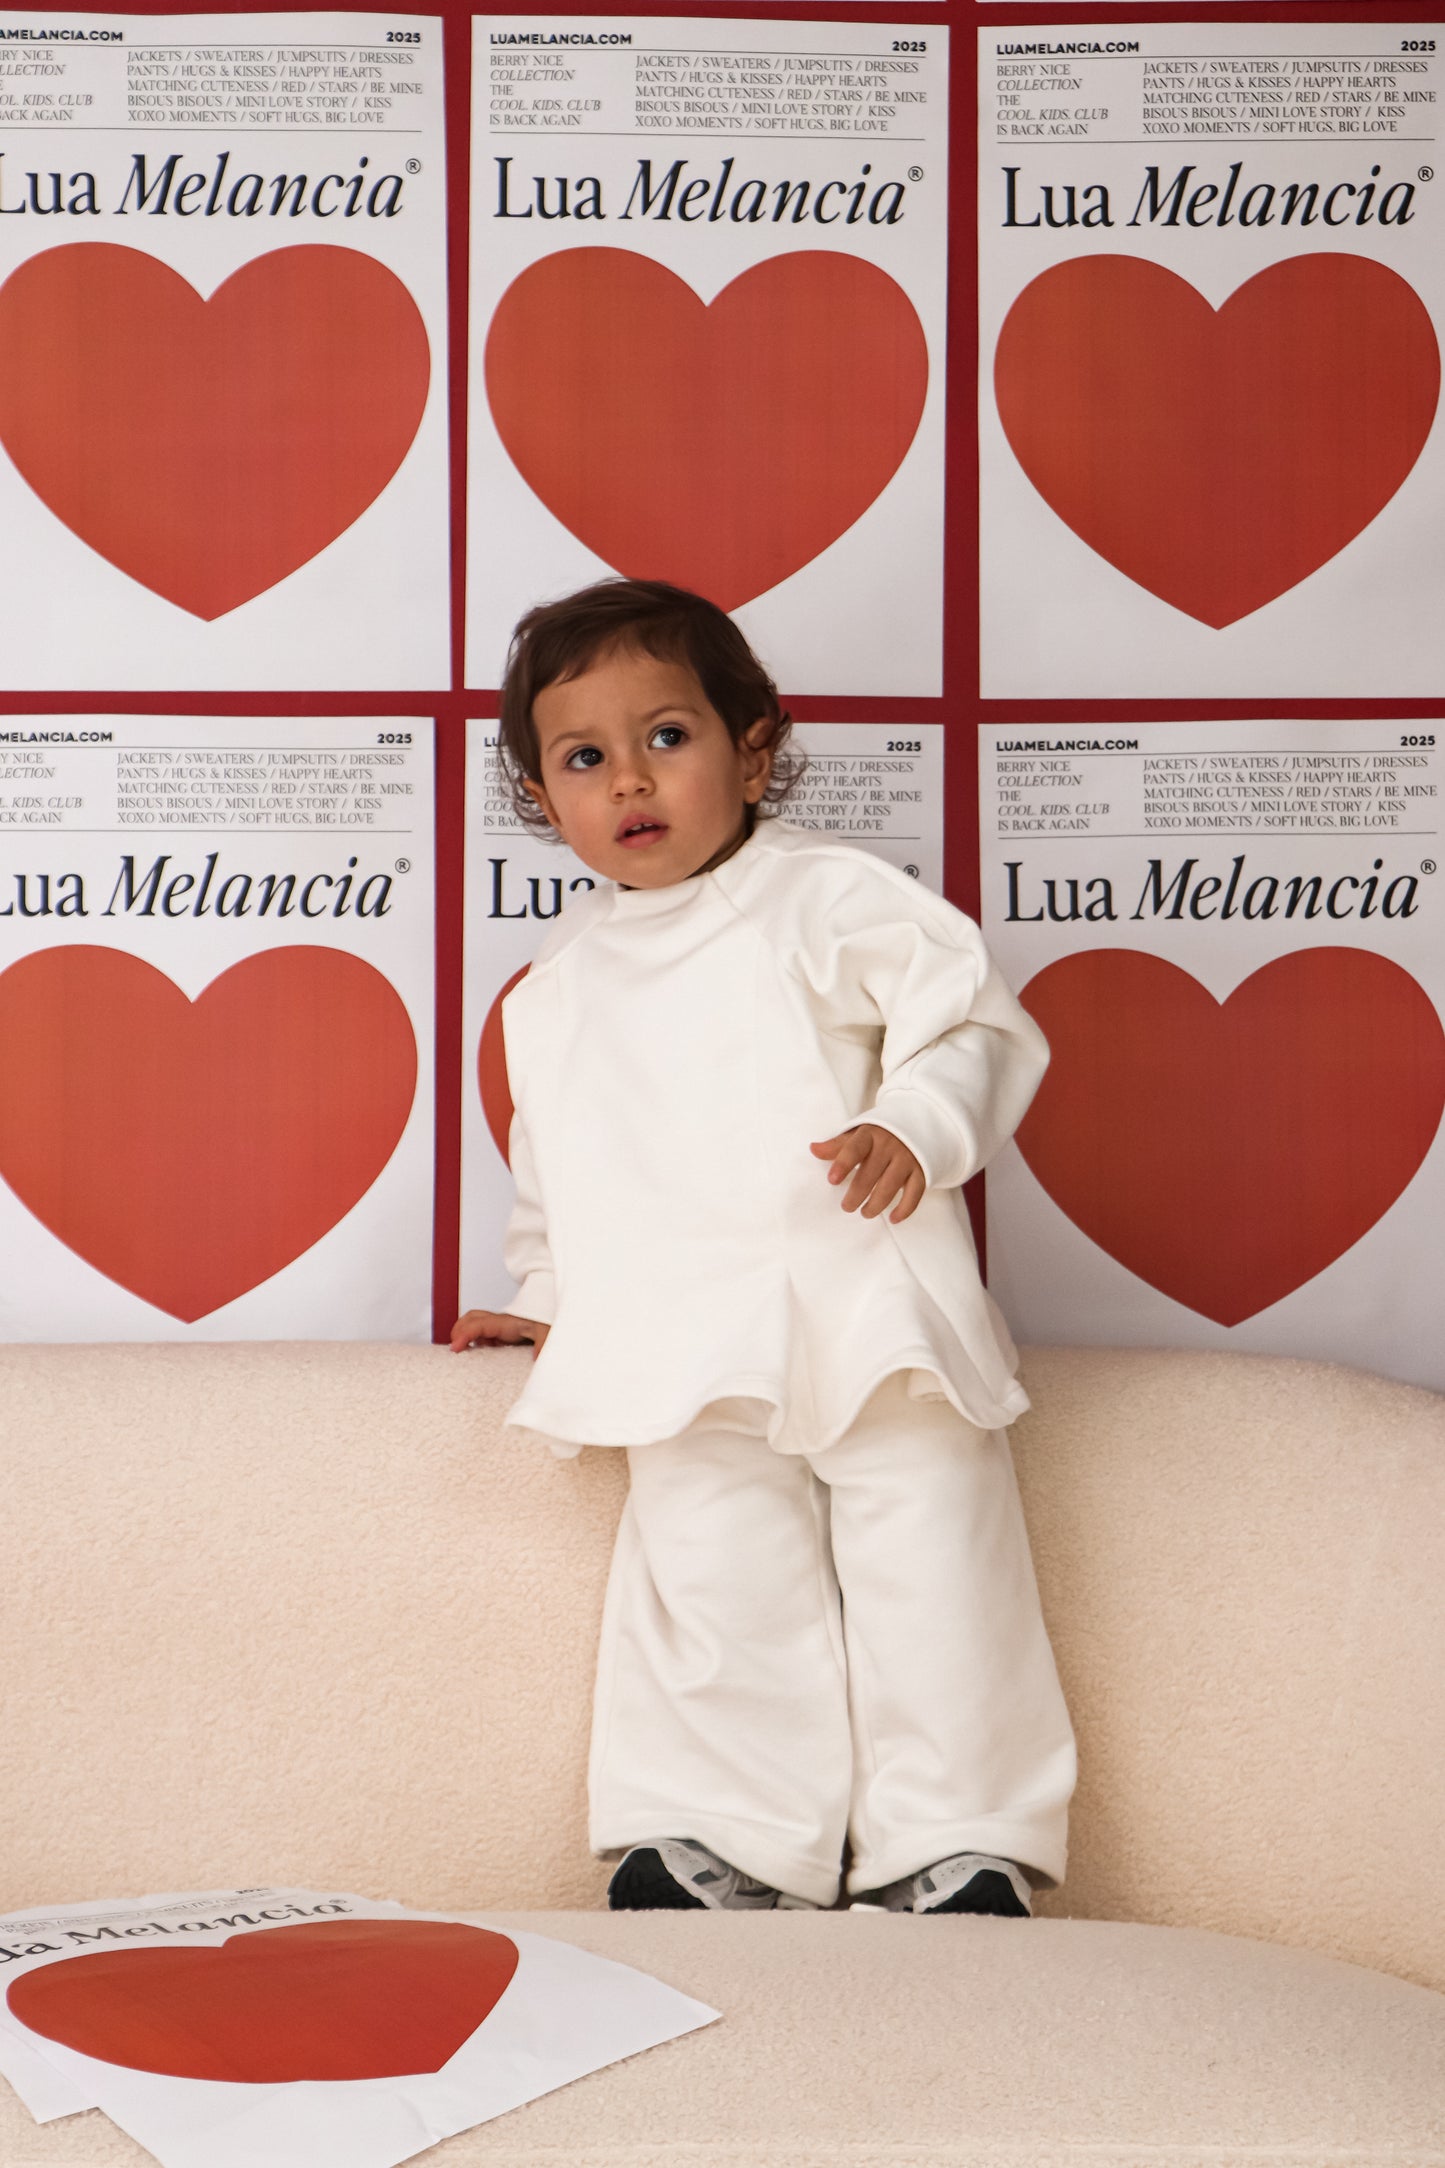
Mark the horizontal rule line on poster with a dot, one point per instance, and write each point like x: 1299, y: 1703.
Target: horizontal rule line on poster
x: 1138, y: 142
x: 44, y: 738
x: 744, y: 52
x: 1097, y: 53
x: 1082, y: 745
x: 159, y: 820
x: 797, y: 135
x: 178, y: 45
x: 1143, y: 835
x: 296, y: 126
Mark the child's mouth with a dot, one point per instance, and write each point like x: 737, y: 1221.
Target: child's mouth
x: 638, y: 833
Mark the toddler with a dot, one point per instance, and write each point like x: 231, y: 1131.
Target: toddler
x: 751, y: 1070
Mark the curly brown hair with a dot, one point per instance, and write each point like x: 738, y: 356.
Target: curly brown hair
x: 560, y: 640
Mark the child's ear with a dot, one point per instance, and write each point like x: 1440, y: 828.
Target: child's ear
x: 536, y: 792
x: 756, y: 748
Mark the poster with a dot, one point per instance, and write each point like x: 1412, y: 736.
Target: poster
x: 871, y: 784
x: 216, y: 1028
x: 227, y: 2027
x: 223, y: 411
x: 1211, y: 292
x: 1231, y: 933
x: 707, y: 334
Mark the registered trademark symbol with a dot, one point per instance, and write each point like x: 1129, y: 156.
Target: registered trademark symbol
x: 1427, y: 173
x: 1427, y: 865
x: 913, y: 870
x: 403, y: 865
x: 413, y: 165
x: 915, y: 173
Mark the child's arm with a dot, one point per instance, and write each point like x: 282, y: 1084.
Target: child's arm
x: 956, y: 1094
x: 526, y: 1256
x: 960, y: 1059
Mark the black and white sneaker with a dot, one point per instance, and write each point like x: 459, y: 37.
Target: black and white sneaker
x: 676, y: 1874
x: 965, y: 1882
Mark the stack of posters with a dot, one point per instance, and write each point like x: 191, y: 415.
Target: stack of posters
x: 298, y: 2027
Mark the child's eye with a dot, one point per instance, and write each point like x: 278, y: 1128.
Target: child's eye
x: 583, y: 756
x: 670, y: 734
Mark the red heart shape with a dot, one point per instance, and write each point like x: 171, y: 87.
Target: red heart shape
x: 720, y: 447
x: 332, y: 1999
x: 1217, y: 458
x: 189, y: 1150
x: 493, y: 1083
x: 1227, y: 1152
x: 208, y: 448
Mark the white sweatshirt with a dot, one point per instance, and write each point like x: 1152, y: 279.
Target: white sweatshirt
x: 672, y: 1053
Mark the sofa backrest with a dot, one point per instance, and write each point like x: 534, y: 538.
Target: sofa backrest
x: 305, y: 1613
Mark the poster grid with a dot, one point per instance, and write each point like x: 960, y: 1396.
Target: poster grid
x: 961, y: 708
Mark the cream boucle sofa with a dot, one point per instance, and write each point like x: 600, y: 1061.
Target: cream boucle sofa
x: 301, y: 1613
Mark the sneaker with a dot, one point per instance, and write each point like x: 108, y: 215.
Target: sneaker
x: 965, y: 1882
x: 679, y: 1875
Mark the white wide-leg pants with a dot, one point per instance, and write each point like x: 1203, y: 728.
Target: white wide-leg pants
x: 799, y: 1647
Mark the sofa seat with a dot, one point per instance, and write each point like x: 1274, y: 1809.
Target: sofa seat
x: 854, y: 2039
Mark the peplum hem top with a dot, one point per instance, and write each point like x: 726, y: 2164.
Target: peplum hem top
x: 672, y: 1054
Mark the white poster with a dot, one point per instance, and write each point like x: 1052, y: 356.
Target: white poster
x: 223, y: 339
x: 707, y: 337
x: 1231, y: 934
x: 874, y: 784
x: 216, y: 1028
x: 1211, y: 290
x: 231, y: 2027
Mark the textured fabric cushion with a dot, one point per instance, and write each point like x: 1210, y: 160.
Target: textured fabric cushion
x: 1242, y: 1563
x: 303, y: 1613
x: 849, y: 2039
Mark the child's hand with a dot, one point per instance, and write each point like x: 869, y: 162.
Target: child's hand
x: 494, y: 1328
x: 881, y: 1165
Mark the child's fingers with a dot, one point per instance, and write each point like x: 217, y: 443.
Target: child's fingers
x: 869, y: 1167
x: 852, y: 1152
x: 892, y: 1177
x: 487, y: 1328
x: 884, y: 1190
x: 845, y: 1150
x: 881, y: 1167
x: 913, y: 1190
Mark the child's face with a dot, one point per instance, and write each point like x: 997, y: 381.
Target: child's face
x: 640, y: 774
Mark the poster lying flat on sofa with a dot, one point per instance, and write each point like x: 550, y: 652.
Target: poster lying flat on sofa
x: 282, y: 2025
x: 41, y: 2087
x: 1232, y: 936
x: 707, y: 344
x: 872, y: 784
x: 216, y: 994
x: 223, y: 447
x: 1211, y: 298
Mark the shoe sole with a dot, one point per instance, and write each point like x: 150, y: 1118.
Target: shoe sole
x: 643, y: 1884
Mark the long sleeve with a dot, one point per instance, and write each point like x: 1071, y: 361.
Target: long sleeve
x: 960, y: 1059
x: 524, y: 1247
